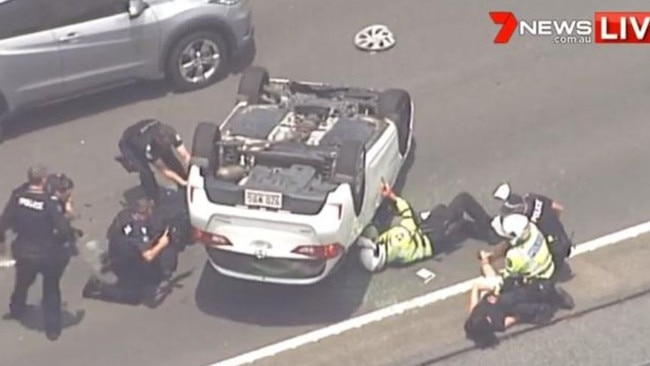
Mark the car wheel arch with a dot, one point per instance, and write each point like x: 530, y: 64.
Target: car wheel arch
x: 196, y: 25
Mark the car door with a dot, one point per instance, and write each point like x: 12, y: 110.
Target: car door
x: 101, y: 44
x: 30, y: 61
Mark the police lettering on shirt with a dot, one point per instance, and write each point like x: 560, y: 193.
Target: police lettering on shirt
x: 537, y: 211
x: 31, y: 204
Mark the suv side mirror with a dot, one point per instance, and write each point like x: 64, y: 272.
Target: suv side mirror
x: 136, y: 8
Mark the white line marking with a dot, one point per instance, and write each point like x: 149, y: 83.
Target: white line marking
x: 418, y: 302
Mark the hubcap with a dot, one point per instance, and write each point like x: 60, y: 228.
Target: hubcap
x: 374, y: 38
x: 199, y: 61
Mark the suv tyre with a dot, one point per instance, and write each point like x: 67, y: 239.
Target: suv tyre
x: 197, y: 60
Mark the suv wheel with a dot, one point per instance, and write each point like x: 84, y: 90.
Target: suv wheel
x: 197, y: 60
x: 252, y: 83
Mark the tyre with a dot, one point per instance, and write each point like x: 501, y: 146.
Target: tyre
x: 395, y: 104
x: 252, y: 83
x: 350, y: 166
x: 197, y: 60
x: 204, y: 153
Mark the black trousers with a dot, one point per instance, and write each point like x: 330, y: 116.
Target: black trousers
x: 51, y: 268
x: 140, y: 164
x: 523, y: 302
x: 136, y: 279
x: 446, y: 221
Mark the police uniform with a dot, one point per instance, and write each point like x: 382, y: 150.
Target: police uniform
x: 128, y: 239
x: 531, y: 259
x: 40, y: 228
x: 539, y: 210
x: 138, y: 151
x: 405, y: 242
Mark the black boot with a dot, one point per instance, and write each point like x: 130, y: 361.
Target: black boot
x: 92, y: 289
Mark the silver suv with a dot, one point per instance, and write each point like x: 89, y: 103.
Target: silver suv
x: 58, y: 49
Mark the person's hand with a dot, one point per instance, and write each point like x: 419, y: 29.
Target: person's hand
x: 484, y: 256
x: 164, y: 238
x: 386, y: 190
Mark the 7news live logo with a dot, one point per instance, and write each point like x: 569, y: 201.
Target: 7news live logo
x: 605, y: 27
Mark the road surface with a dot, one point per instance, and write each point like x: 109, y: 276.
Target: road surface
x: 609, y: 326
x: 567, y: 121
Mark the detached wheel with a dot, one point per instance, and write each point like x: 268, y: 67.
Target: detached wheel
x: 395, y: 104
x: 350, y: 168
x: 204, y: 152
x: 197, y: 60
x: 252, y: 83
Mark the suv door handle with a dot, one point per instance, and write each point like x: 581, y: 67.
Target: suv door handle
x: 69, y: 37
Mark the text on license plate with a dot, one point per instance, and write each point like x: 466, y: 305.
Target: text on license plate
x: 263, y: 199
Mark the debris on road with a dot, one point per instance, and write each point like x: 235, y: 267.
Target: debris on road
x: 374, y: 38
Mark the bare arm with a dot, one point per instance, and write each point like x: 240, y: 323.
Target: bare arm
x: 151, y: 254
x: 557, y: 207
x: 184, y: 154
x: 474, y: 297
x: 168, y: 173
x: 510, y: 321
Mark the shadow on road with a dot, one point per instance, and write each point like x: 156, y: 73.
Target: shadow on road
x: 33, y: 318
x: 166, y: 289
x: 335, y: 299
x: 52, y: 115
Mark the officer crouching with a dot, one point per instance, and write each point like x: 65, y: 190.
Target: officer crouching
x: 139, y: 255
x: 40, y: 227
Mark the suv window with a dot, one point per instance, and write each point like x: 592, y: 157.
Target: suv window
x: 79, y: 11
x: 20, y: 17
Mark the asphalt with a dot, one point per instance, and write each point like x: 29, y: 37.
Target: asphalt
x: 566, y: 121
x: 608, y: 326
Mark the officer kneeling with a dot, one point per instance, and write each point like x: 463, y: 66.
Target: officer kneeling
x: 139, y: 255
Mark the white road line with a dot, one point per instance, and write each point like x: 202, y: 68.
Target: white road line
x: 414, y: 303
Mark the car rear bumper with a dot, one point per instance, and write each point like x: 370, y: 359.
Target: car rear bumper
x: 284, y: 271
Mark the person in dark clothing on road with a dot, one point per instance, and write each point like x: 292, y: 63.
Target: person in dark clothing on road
x: 140, y: 257
x: 152, y: 142
x: 40, y: 227
x: 464, y: 214
x: 60, y: 188
x: 498, y: 303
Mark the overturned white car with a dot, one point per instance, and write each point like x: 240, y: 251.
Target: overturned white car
x: 282, y: 189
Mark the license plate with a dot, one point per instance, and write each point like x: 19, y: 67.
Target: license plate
x: 263, y: 199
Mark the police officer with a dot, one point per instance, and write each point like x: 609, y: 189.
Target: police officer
x: 40, y: 227
x: 543, y: 212
x: 497, y: 304
x: 60, y: 188
x: 152, y: 142
x: 529, y: 259
x: 414, y: 238
x: 139, y: 257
